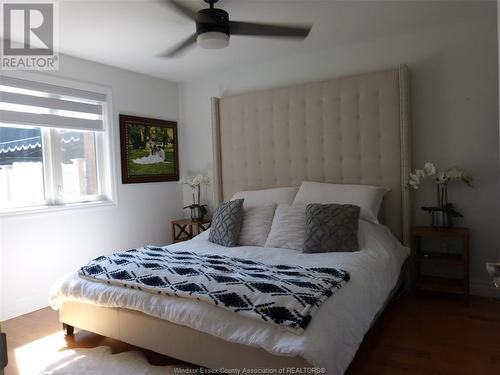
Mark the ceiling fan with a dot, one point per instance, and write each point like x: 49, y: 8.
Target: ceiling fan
x: 213, y: 29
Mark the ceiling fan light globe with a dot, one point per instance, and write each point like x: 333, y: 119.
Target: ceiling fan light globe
x: 213, y: 40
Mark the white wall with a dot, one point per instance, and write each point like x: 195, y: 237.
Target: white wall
x: 37, y: 249
x: 454, y: 88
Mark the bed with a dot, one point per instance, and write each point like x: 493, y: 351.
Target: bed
x: 349, y: 130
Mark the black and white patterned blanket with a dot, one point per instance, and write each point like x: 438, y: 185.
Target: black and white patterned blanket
x: 281, y: 294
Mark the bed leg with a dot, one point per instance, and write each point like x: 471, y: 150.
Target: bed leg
x: 68, y: 330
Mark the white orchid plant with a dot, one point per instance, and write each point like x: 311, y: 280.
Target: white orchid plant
x: 195, y: 183
x: 441, y: 177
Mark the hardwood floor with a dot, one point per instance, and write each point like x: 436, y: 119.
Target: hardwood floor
x: 424, y: 335
x: 433, y: 335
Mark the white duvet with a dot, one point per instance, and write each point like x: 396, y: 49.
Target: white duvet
x: 336, y: 330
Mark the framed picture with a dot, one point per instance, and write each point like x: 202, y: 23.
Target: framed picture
x: 149, y: 149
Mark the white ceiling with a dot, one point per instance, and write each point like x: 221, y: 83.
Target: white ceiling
x: 128, y: 34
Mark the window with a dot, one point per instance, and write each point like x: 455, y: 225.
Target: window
x: 21, y: 167
x: 77, y: 166
x: 53, y: 145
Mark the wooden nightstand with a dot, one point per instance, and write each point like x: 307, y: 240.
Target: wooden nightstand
x: 185, y: 229
x: 422, y: 255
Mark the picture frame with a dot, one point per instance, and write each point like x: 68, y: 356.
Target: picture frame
x: 149, y: 150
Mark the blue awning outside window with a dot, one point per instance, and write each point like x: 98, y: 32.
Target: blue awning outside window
x: 19, y: 139
x: 20, y: 144
x: 25, y: 145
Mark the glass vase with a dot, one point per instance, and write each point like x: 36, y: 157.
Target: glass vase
x: 196, y: 214
x: 440, y: 219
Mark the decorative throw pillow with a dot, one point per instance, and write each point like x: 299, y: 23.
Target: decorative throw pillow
x: 288, y: 229
x: 331, y: 228
x: 256, y: 225
x: 226, y: 223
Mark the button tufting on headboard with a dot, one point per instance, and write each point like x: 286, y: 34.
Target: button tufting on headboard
x: 342, y: 130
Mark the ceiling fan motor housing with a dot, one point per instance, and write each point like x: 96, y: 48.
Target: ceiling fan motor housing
x: 212, y: 20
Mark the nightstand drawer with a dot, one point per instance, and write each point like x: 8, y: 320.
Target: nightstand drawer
x: 448, y: 262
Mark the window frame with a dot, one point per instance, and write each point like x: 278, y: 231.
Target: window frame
x: 104, y: 146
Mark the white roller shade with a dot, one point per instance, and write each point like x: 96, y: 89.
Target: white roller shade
x: 24, y: 102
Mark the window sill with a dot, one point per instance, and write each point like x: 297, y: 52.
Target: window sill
x: 55, y: 208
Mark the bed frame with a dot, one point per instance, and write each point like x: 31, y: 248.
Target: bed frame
x: 345, y: 130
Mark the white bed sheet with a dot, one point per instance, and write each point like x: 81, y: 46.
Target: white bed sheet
x: 336, y: 330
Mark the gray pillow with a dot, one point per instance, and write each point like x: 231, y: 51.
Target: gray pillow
x: 331, y: 228
x: 226, y: 223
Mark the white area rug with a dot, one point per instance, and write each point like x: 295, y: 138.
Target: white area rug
x: 100, y: 361
x: 49, y: 356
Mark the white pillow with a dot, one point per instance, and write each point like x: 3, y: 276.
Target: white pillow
x: 256, y: 225
x: 368, y: 198
x: 254, y: 198
x: 289, y: 227
x: 203, y: 235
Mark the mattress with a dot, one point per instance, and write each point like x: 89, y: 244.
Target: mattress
x: 336, y: 330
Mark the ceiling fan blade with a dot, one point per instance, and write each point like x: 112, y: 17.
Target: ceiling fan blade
x: 270, y: 30
x: 181, y: 8
x: 179, y: 48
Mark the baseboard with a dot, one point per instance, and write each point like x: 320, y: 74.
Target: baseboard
x: 23, y: 306
x: 484, y: 288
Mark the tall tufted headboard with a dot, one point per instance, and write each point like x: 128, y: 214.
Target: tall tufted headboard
x: 352, y: 130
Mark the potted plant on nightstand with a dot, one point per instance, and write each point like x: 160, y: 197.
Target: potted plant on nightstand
x: 198, y: 210
x: 444, y: 211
